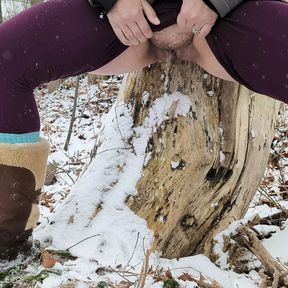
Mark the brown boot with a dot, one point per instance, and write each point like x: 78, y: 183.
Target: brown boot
x: 22, y: 174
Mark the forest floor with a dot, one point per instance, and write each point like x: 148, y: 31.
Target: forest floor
x: 49, y: 268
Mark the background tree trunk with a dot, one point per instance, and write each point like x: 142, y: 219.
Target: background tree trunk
x: 205, y: 168
x: 1, y: 14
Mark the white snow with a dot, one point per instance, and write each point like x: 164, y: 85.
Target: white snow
x: 117, y: 238
x: 276, y: 244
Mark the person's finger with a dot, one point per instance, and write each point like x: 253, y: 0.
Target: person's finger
x: 118, y: 32
x: 182, y: 19
x: 135, y: 29
x: 194, y: 21
x: 150, y: 13
x: 129, y: 35
x: 205, y: 30
x: 145, y: 28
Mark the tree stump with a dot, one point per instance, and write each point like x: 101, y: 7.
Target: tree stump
x: 204, y: 169
x: 200, y: 169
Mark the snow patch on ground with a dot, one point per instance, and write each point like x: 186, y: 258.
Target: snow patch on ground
x: 275, y: 245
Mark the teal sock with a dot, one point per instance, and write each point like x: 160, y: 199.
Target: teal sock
x: 10, y: 138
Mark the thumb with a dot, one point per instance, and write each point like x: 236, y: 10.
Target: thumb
x: 150, y: 13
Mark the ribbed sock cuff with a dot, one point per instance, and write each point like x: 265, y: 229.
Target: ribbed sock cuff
x: 32, y: 137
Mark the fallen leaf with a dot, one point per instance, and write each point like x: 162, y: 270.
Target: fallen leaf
x: 168, y: 274
x: 125, y: 284
x: 47, y: 259
x: 186, y: 277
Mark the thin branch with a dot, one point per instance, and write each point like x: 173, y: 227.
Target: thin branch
x: 138, y: 234
x: 144, y: 269
x: 67, y: 173
x: 73, y: 114
x: 115, y: 271
x: 119, y: 127
x: 82, y: 241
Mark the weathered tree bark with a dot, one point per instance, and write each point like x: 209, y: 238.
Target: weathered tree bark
x: 200, y: 168
x: 204, y: 168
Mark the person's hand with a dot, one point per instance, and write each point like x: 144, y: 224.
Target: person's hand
x: 195, y: 15
x: 127, y: 19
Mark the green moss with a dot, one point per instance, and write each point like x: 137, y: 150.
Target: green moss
x: 171, y: 283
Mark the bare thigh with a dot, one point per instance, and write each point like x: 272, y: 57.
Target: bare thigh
x: 132, y: 59
x: 206, y: 59
x: 137, y: 57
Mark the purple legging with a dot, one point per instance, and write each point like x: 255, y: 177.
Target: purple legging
x: 62, y: 38
x: 251, y: 43
x: 53, y: 40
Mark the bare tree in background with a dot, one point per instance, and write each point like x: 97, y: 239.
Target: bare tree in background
x: 11, y: 7
x: 1, y: 16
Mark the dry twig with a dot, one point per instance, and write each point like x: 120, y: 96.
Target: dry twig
x: 144, y: 269
x: 249, y: 239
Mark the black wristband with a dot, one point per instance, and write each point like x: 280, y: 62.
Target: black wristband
x: 211, y: 6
